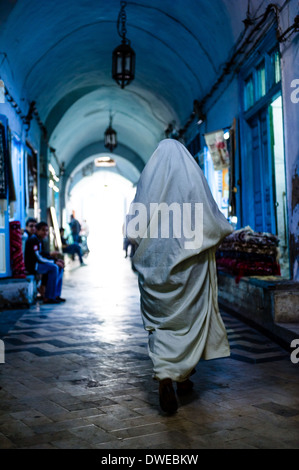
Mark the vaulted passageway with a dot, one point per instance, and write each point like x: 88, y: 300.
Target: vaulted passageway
x: 221, y: 77
x: 67, y: 72
x: 192, y: 66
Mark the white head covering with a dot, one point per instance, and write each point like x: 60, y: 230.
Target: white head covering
x: 172, y: 176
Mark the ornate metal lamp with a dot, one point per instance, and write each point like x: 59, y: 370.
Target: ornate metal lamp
x: 123, y: 57
x: 110, y: 137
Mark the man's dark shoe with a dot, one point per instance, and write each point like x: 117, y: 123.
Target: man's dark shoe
x: 167, y: 396
x: 51, y: 301
x: 183, y: 388
x: 60, y: 299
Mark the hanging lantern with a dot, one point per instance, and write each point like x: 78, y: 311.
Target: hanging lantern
x: 110, y: 137
x: 123, y: 57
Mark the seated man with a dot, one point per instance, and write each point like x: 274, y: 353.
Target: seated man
x: 39, y: 261
x: 29, y: 230
x: 71, y: 248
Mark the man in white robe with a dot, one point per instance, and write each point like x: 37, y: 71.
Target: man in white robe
x: 177, y: 226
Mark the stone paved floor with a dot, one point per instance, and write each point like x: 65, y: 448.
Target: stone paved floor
x: 77, y: 375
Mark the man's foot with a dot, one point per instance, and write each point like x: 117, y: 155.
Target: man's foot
x: 60, y: 299
x: 167, y: 396
x: 51, y: 301
x: 83, y: 264
x: 184, y: 387
x: 41, y: 290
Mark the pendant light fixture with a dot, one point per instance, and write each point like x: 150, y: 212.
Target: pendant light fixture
x: 104, y: 162
x: 123, y: 57
x: 110, y: 136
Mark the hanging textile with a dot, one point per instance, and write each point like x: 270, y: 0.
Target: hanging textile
x: 31, y: 176
x: 2, y: 92
x: 16, y: 251
x: 232, y: 153
x: 12, y: 195
x: 7, y: 187
x: 218, y: 149
x: 3, y: 163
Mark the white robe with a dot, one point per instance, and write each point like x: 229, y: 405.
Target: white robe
x: 178, y: 285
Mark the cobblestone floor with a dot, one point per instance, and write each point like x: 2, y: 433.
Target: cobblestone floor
x: 77, y: 376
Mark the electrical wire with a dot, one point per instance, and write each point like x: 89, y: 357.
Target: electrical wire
x: 227, y: 67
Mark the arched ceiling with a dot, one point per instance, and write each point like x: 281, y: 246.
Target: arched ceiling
x: 137, y: 117
x: 59, y: 55
x: 123, y: 168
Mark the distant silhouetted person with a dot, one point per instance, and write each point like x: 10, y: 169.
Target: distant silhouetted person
x: 75, y: 229
x: 84, y: 236
x: 71, y: 248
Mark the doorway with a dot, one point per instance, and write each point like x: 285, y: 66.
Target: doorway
x: 265, y: 149
x: 277, y: 149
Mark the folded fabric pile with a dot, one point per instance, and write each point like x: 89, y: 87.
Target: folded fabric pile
x: 249, y: 253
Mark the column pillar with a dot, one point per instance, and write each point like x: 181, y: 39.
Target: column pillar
x: 43, y: 180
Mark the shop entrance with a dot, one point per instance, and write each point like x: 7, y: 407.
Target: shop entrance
x: 263, y: 194
x: 265, y: 145
x: 277, y: 148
